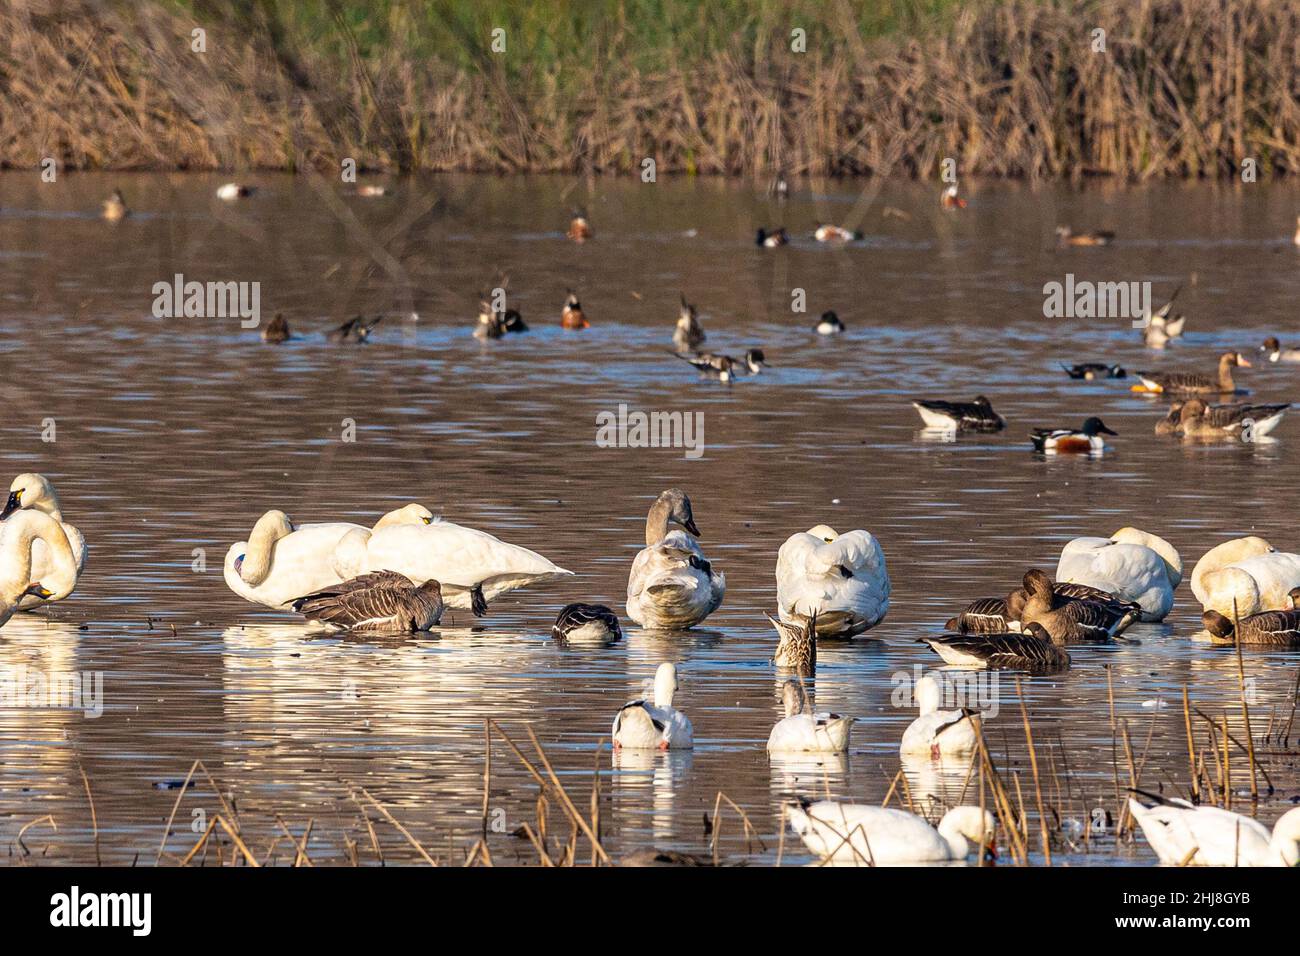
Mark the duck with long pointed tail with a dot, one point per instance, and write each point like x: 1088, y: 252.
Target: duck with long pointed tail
x: 803, y: 731
x: 880, y: 836
x: 33, y: 492
x: 688, y: 335
x: 796, y: 648
x: 1182, y: 834
x: 654, y: 725
x: 937, y: 732
x: 19, y: 537
x: 672, y: 585
x: 840, y: 576
x: 724, y: 367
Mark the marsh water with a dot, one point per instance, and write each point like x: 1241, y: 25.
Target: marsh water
x: 175, y: 434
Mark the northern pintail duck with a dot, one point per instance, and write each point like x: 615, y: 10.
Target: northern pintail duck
x: 802, y: 730
x: 1071, y: 620
x: 645, y: 725
x: 688, y: 335
x: 796, y: 647
x: 377, y: 602
x: 1183, y: 834
x: 1192, y: 382
x: 355, y: 330
x: 829, y: 324
x: 1273, y: 349
x: 571, y: 316
x: 950, y: 200
x: 1160, y: 328
x: 1066, y: 236
x: 1247, y: 422
x: 494, y: 325
x: 770, y: 240
x: 579, y: 228
x: 1066, y: 440
x: 868, y: 835
x: 724, y: 366
x: 1094, y: 370
x: 115, y: 207
x: 973, y: 416
x: 587, y: 622
x: 936, y: 732
x: 1031, y: 650
x: 1266, y: 628
x: 229, y: 192
x: 837, y: 234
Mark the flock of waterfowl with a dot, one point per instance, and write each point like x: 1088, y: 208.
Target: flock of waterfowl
x: 402, y: 574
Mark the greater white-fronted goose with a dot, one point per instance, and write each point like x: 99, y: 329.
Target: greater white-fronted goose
x: 1192, y: 382
x: 379, y: 602
x: 1071, y: 620
x: 1031, y: 649
x: 1247, y: 422
x: 973, y: 416
x: 1267, y: 628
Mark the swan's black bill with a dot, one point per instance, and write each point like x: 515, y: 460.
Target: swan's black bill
x: 12, y: 505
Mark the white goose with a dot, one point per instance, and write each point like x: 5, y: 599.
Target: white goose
x: 937, y: 733
x: 473, y: 566
x: 639, y: 725
x: 842, y: 577
x: 1181, y: 833
x: 1131, y: 564
x: 280, y: 563
x: 672, y: 586
x: 802, y: 731
x: 36, y: 493
x: 1246, y: 571
x: 19, y: 536
x: 868, y: 835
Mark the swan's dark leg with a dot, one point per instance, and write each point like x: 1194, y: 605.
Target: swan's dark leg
x: 478, y: 604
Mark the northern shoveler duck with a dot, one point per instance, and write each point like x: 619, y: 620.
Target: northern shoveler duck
x: 1065, y: 236
x: 1031, y: 650
x: 972, y: 416
x: 984, y: 616
x: 232, y: 191
x: 370, y: 191
x: 804, y: 731
x: 642, y: 725
x: 586, y: 622
x: 724, y: 366
x: 829, y: 324
x: 1159, y: 328
x: 580, y: 229
x: 837, y: 234
x: 796, y: 648
x: 1273, y: 348
x: 354, y: 330
x: 1071, y: 620
x: 950, y: 199
x: 1191, y: 382
x: 1181, y: 833
x: 1094, y: 370
x: 770, y: 240
x: 277, y: 330
x: 1065, y: 440
x: 689, y: 334
x: 1248, y: 422
x: 381, y: 601
x: 937, y: 733
x: 115, y: 207
x: 1267, y: 628
x: 571, y: 316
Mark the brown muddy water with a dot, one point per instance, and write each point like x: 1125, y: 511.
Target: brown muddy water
x: 176, y: 434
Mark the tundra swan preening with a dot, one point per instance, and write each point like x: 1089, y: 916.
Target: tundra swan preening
x: 802, y: 731
x: 1131, y: 564
x: 973, y: 416
x: 1245, y: 576
x: 937, y: 732
x: 841, y: 577
x: 280, y: 563
x: 472, y: 566
x: 587, y: 623
x: 880, y: 836
x: 1183, y: 834
x: 381, y: 602
x: 19, y: 536
x: 32, y: 492
x: 672, y: 586
x: 639, y: 725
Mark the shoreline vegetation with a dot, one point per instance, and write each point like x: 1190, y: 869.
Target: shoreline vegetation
x: 1011, y: 88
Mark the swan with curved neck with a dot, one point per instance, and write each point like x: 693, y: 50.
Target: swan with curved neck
x: 281, y: 562
x: 34, y: 492
x: 18, y: 536
x: 1247, y: 572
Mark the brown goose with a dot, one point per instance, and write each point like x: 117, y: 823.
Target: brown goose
x: 1071, y: 620
x: 1032, y: 650
x: 277, y: 330
x: 378, y: 602
x: 1196, y: 419
x: 1268, y: 628
x: 797, y: 648
x: 1193, y: 383
x: 984, y: 616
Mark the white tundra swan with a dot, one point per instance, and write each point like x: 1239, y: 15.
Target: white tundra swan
x: 869, y: 835
x: 280, y: 563
x: 802, y: 731
x: 1131, y: 564
x: 18, y: 538
x: 36, y: 493
x: 841, y: 577
x: 472, y: 566
x: 1249, y: 572
x: 1181, y: 833
x: 672, y: 586
x: 640, y: 725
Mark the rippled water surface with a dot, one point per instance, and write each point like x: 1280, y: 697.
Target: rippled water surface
x: 176, y: 434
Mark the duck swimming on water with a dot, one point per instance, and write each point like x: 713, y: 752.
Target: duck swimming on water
x: 972, y: 416
x: 1065, y: 440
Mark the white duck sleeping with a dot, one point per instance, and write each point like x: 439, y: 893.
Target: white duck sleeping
x: 472, y: 566
x: 1181, y: 833
x: 880, y: 836
x: 19, y: 537
x: 1249, y: 572
x: 1131, y: 564
x: 842, y: 577
x: 639, y: 725
x: 938, y: 733
x: 802, y: 731
x: 36, y: 493
x: 672, y: 586
x: 280, y: 563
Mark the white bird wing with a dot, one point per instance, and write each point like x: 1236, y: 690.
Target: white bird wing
x: 453, y: 555
x: 810, y: 575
